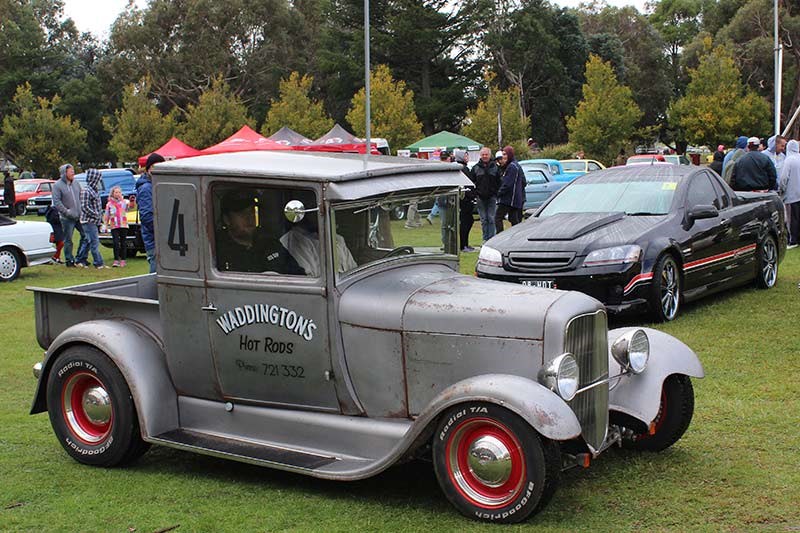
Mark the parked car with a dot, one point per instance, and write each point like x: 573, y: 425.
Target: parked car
x: 133, y: 241
x: 579, y: 167
x: 677, y: 159
x: 110, y: 177
x: 24, y: 190
x: 645, y: 159
x: 381, y: 353
x: 644, y: 237
x: 23, y: 244
x: 539, y: 186
x: 553, y: 166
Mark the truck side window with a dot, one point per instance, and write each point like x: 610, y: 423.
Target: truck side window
x: 253, y: 235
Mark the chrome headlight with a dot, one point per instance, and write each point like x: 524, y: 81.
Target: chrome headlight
x: 490, y: 257
x: 632, y: 350
x: 561, y: 376
x: 614, y: 256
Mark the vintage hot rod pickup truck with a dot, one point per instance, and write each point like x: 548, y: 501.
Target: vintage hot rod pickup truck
x: 292, y: 324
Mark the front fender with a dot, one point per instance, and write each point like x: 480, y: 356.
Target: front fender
x: 141, y: 361
x: 544, y: 410
x: 640, y: 395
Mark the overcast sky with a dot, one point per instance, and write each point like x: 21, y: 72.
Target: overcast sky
x: 97, y: 17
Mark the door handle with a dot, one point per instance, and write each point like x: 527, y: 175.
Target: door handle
x: 209, y: 308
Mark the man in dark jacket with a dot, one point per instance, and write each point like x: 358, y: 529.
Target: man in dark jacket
x: 144, y: 199
x: 9, y: 195
x: 719, y: 156
x: 753, y: 171
x: 486, y: 177
x: 511, y: 195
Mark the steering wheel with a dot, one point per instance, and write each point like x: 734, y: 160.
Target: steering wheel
x: 405, y: 250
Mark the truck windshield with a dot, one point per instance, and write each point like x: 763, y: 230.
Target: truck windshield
x: 382, y: 229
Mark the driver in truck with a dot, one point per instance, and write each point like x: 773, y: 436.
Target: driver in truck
x: 244, y: 245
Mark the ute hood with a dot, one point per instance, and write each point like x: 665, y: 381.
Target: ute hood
x: 437, y: 300
x: 579, y: 232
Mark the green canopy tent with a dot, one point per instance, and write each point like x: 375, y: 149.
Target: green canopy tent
x: 444, y: 140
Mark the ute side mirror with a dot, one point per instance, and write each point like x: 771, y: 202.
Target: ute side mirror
x: 700, y: 212
x: 295, y: 211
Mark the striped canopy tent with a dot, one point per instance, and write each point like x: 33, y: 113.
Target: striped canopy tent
x: 173, y: 149
x: 444, y: 140
x: 289, y: 137
x: 244, y: 140
x: 339, y: 139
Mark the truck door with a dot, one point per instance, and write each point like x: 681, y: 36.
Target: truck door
x: 267, y: 307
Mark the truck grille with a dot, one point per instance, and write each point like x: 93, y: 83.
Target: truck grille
x: 540, y: 261
x: 587, y: 341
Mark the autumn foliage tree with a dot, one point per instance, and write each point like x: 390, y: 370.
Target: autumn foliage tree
x: 37, y: 137
x: 606, y: 117
x: 218, y: 114
x: 717, y: 106
x: 138, y: 127
x: 295, y: 109
x: 392, y: 110
x: 482, y: 121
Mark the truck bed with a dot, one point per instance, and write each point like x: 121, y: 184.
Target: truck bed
x: 131, y: 299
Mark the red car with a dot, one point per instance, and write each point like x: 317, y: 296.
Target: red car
x: 25, y: 189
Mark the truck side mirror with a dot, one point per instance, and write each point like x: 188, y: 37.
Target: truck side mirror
x: 294, y: 211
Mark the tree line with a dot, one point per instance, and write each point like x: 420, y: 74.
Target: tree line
x: 689, y: 71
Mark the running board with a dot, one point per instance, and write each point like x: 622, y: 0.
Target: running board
x: 243, y: 451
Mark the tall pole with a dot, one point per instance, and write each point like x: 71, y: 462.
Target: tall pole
x: 778, y: 73
x: 366, y: 82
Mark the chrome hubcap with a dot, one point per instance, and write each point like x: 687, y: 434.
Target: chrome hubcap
x: 489, y: 461
x: 670, y: 290
x: 8, y: 264
x: 769, y: 270
x: 97, y: 405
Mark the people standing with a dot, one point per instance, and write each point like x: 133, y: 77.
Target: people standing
x: 466, y: 204
x: 53, y: 218
x: 753, y: 171
x: 9, y: 196
x: 511, y: 195
x: 486, y: 177
x: 731, y: 157
x: 621, y: 158
x: 776, y: 151
x: 718, y: 158
x: 67, y: 201
x: 144, y: 199
x: 115, y: 219
x: 790, y: 190
x: 91, y: 219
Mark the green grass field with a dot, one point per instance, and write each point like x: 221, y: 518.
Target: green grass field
x: 734, y: 470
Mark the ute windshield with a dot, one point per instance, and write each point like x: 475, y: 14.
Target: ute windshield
x: 645, y: 197
x: 380, y: 229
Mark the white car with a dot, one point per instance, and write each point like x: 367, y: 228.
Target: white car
x: 23, y: 244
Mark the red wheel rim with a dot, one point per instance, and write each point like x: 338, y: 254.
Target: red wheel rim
x: 462, y: 459
x: 87, y: 408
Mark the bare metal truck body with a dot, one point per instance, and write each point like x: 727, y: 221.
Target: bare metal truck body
x: 367, y: 350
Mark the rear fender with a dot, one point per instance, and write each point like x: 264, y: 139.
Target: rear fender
x: 141, y: 361
x: 640, y: 395
x: 545, y: 411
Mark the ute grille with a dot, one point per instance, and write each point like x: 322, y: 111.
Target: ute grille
x: 587, y: 341
x: 540, y: 261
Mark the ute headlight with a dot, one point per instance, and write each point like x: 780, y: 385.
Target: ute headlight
x: 490, y: 257
x: 561, y: 376
x: 616, y: 255
x: 632, y: 350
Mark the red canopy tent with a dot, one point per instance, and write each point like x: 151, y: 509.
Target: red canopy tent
x: 173, y: 149
x: 339, y: 139
x: 244, y: 140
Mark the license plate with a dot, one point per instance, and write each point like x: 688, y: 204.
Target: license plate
x: 541, y: 283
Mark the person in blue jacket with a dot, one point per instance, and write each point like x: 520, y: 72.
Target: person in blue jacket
x: 144, y: 199
x: 511, y: 196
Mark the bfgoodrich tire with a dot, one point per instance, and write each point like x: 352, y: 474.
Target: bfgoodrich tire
x: 665, y: 295
x: 91, y: 409
x: 674, y: 416
x: 767, y: 255
x: 492, y: 465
